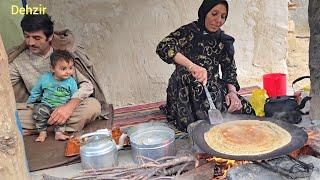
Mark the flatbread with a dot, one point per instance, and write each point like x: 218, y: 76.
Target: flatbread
x: 247, y: 137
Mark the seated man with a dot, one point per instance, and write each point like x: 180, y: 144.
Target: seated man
x: 34, y: 61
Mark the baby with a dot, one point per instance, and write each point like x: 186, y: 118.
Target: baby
x: 54, y: 89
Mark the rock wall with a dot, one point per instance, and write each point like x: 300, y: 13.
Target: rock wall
x: 300, y: 17
x: 121, y: 36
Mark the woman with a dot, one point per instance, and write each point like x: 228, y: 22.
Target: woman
x: 197, y: 49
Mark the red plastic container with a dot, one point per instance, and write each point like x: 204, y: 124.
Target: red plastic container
x: 275, y: 84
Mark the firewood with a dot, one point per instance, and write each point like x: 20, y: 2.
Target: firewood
x: 205, y: 171
x: 164, y: 168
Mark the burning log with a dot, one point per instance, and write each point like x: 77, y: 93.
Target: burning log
x: 203, y: 172
x: 307, y: 149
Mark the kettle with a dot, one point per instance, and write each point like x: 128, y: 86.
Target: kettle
x: 98, y: 149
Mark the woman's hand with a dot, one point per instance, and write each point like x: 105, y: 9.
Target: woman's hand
x: 233, y: 101
x: 199, y: 73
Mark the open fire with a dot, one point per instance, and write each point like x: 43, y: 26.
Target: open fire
x: 282, y: 165
x: 222, y: 166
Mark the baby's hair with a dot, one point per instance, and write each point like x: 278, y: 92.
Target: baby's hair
x: 59, y: 55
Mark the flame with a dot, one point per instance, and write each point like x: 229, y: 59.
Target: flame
x: 220, y: 161
x: 226, y: 164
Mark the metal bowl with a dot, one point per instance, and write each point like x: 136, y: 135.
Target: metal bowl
x: 152, y: 142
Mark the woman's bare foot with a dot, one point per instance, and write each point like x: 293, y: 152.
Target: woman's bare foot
x: 42, y: 136
x: 59, y: 136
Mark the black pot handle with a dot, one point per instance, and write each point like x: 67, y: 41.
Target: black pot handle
x: 299, y: 79
x: 303, y: 103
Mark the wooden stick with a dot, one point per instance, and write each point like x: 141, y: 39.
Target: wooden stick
x: 153, y: 168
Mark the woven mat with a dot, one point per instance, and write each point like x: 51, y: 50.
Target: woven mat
x: 50, y: 153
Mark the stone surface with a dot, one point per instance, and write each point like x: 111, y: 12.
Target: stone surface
x: 254, y: 171
x: 316, y: 163
x: 121, y: 36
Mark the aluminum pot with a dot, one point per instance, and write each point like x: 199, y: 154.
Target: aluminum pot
x: 152, y: 141
x: 98, y: 150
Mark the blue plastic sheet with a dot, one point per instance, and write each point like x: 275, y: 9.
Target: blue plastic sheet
x: 18, y: 122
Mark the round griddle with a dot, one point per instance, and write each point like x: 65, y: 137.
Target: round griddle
x: 299, y: 137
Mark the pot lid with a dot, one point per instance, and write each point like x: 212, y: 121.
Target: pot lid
x: 97, y: 145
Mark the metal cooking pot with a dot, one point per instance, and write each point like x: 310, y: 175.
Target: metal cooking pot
x: 151, y: 140
x: 299, y: 137
x: 98, y: 149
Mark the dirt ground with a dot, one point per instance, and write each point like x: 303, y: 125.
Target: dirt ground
x: 298, y: 58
